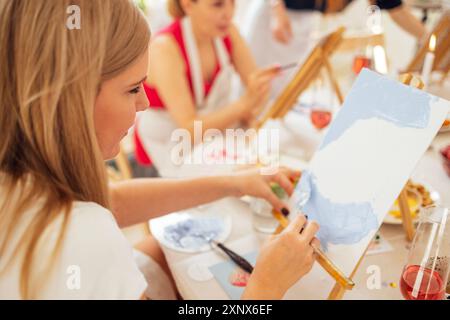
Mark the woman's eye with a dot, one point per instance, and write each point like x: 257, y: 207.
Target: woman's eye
x: 135, y: 90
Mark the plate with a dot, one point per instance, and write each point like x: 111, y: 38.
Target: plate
x: 415, y: 200
x: 189, y: 231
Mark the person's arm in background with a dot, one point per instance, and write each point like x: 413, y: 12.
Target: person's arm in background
x: 257, y: 81
x: 403, y: 17
x: 139, y: 200
x: 280, y: 23
x: 168, y: 74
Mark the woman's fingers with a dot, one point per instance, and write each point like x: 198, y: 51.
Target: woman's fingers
x: 297, y: 224
x: 276, y: 203
x: 284, y: 182
x: 286, y: 178
x: 315, y: 243
x: 269, y: 72
x: 309, y: 232
x: 293, y: 175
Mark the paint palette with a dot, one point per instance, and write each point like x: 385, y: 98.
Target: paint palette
x: 191, y: 231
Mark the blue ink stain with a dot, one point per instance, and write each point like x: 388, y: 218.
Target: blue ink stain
x: 340, y: 223
x: 375, y: 96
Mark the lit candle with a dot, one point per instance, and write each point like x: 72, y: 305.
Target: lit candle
x: 429, y: 61
x: 379, y: 59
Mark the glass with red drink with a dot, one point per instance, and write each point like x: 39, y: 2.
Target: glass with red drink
x: 425, y: 276
x: 360, y: 62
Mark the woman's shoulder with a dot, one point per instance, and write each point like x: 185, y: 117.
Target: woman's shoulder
x: 96, y: 260
x: 169, y: 37
x: 92, y: 220
x: 166, y: 52
x: 81, y: 209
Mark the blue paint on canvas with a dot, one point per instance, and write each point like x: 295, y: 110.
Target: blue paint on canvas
x: 373, y: 96
x: 340, y: 223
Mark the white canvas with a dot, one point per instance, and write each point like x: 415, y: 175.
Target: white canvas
x: 364, y: 161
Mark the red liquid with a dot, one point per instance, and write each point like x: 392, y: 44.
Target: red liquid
x: 436, y: 290
x: 320, y: 119
x: 359, y: 63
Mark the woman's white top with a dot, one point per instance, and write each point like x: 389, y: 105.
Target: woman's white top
x: 95, y: 262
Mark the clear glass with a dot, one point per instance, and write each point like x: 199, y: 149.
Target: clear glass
x: 263, y: 219
x: 426, y: 273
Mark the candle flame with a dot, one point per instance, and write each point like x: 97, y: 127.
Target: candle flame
x: 432, y: 45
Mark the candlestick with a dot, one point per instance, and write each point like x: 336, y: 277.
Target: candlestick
x: 429, y: 61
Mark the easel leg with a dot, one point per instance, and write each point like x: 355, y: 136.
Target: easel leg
x: 333, y: 80
x: 406, y: 215
x: 337, y: 293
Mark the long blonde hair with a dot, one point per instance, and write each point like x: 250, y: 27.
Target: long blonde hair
x: 50, y: 78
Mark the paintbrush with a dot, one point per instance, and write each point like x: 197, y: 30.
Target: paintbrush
x: 237, y: 259
x: 240, y: 261
x: 288, y: 66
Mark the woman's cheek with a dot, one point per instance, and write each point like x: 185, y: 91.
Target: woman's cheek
x: 126, y: 113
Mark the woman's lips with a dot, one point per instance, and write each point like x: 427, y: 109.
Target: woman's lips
x: 224, y: 28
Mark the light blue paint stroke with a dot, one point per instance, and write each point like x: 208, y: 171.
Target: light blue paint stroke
x: 191, y: 233
x: 375, y: 96
x: 340, y: 223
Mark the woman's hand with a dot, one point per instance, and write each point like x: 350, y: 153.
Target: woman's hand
x: 254, y: 183
x: 258, y: 91
x: 281, y: 24
x: 283, y: 260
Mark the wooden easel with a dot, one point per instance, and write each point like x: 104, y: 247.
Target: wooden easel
x: 342, y: 282
x: 442, y: 50
x: 310, y: 70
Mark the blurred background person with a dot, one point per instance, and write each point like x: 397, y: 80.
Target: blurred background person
x: 283, y: 31
x: 192, y: 63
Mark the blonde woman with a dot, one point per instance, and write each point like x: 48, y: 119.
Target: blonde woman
x: 196, y: 56
x: 67, y: 98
